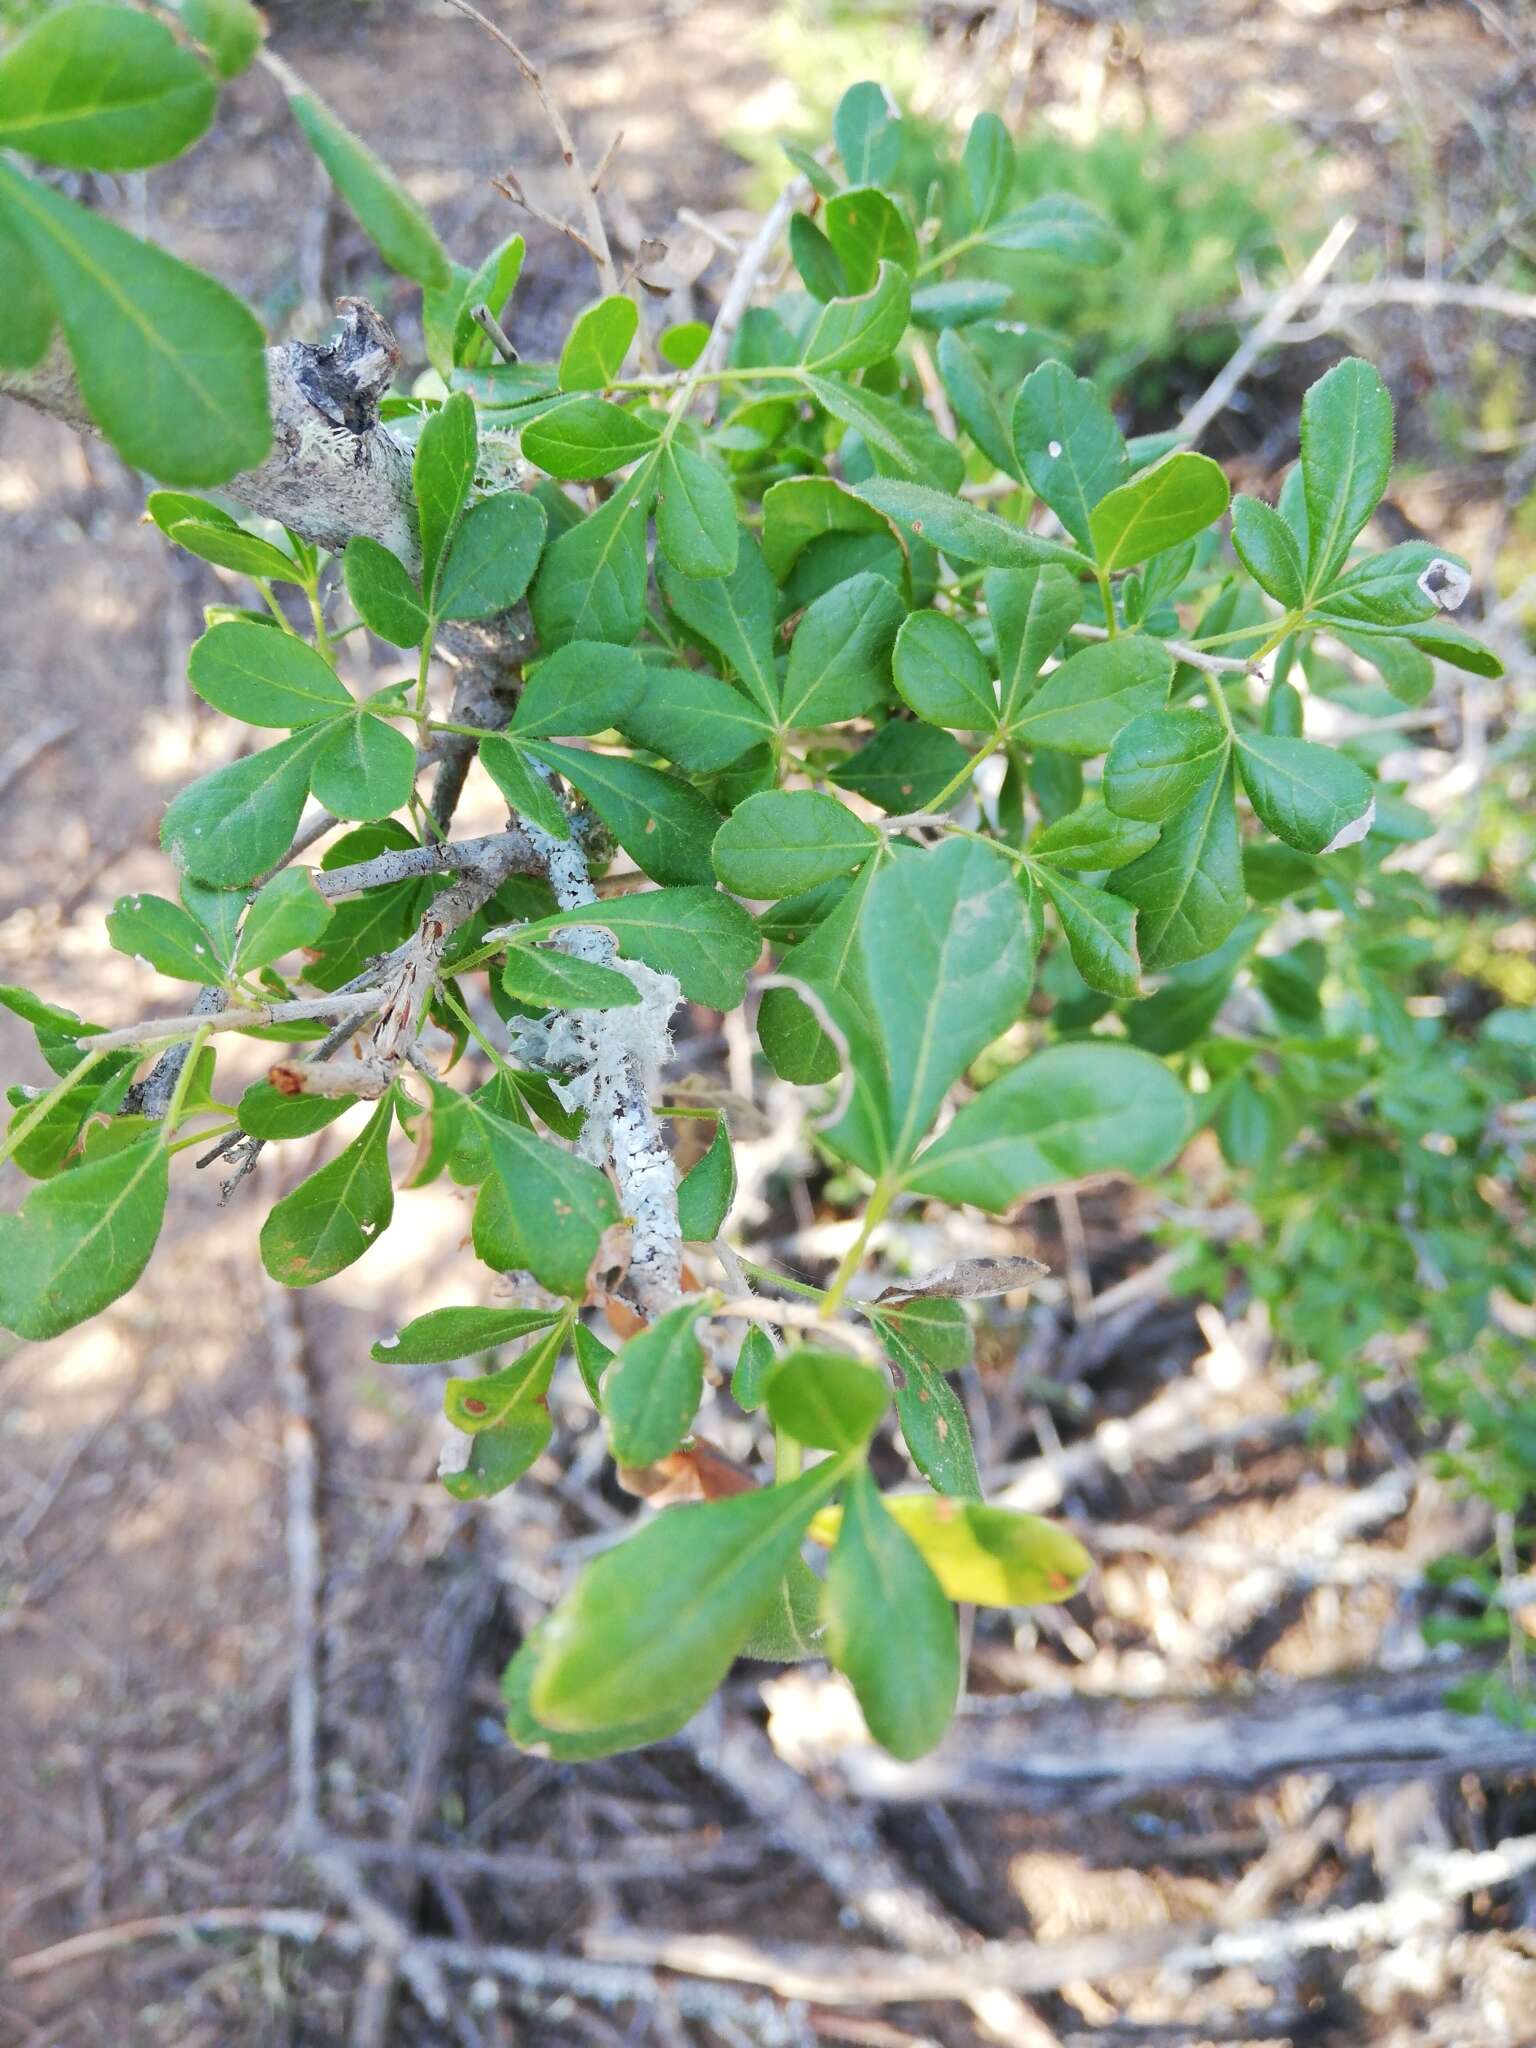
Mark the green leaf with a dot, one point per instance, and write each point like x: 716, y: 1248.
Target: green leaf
x: 331, y: 1219
x: 233, y: 548
x: 1032, y: 611
x: 695, y: 515
x: 584, y: 687
x: 169, y: 508
x: 866, y: 227
x: 492, y: 557
x: 593, y: 1359
x: 170, y: 364
x: 901, y: 441
x: 264, y: 1113
x: 988, y: 163
x: 81, y: 1239
x: 1094, y: 838
x: 790, y: 1630
x: 229, y: 30
x: 102, y: 89
x: 598, y: 343
x: 754, y: 1362
x: 867, y: 130
x: 1168, y: 503
x: 734, y: 615
x: 655, y: 1622
x: 800, y: 509
x: 56, y: 1139
x: 591, y: 580
x: 1057, y: 224
x: 165, y: 937
x: 949, y: 942
x: 905, y: 767
x: 963, y: 532
x: 889, y: 1628
x: 651, y: 1392
x: 545, y: 1206
x: 366, y: 769
x: 390, y: 218
x: 840, y: 657
x: 560, y: 1746
x: 933, y: 1418
x: 1346, y: 460
x: 287, y: 913
x: 852, y: 333
x: 384, y: 592
x: 1189, y: 887
x: 995, y: 1557
x: 782, y: 841
x: 527, y: 793
x: 588, y: 437
x: 1310, y: 796
x: 493, y: 1400
x: 1406, y: 670
x: 1394, y: 588
x: 264, y: 677
x: 703, y: 938
x: 239, y: 821
x: 1158, y: 762
x: 1083, y: 705
x: 819, y: 265
x: 977, y: 403
x: 441, y: 477
x: 1070, y: 1111
x: 707, y: 1190
x: 695, y: 720
x: 1068, y: 445
x: 959, y: 302
x: 827, y: 1399
x: 1449, y: 644
x: 499, y: 1457
x: 1267, y: 549
x: 1100, y: 931
x: 26, y: 310
x: 556, y: 981
x: 491, y: 285
x: 664, y: 826
x: 683, y: 344
x: 940, y: 671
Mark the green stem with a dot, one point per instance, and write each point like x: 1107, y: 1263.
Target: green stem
x: 44, y: 1103
x: 271, y: 602
x: 957, y: 782
x: 1111, y: 623
x: 317, y: 617
x: 947, y: 255
x: 1289, y: 624
x: 788, y: 1456
x: 201, y: 1137
x: 183, y: 1083
x: 774, y: 1278
x: 879, y: 1201
x: 498, y: 1060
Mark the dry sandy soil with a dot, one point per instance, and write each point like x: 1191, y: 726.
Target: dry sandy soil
x: 1068, y: 1841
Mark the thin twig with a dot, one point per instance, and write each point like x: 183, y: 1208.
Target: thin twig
x: 494, y: 332
x: 596, y: 234
x: 795, y: 1315
x: 156, y: 1030
x: 1212, y: 664
x: 21, y: 753
x: 1216, y: 398
x: 744, y: 279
